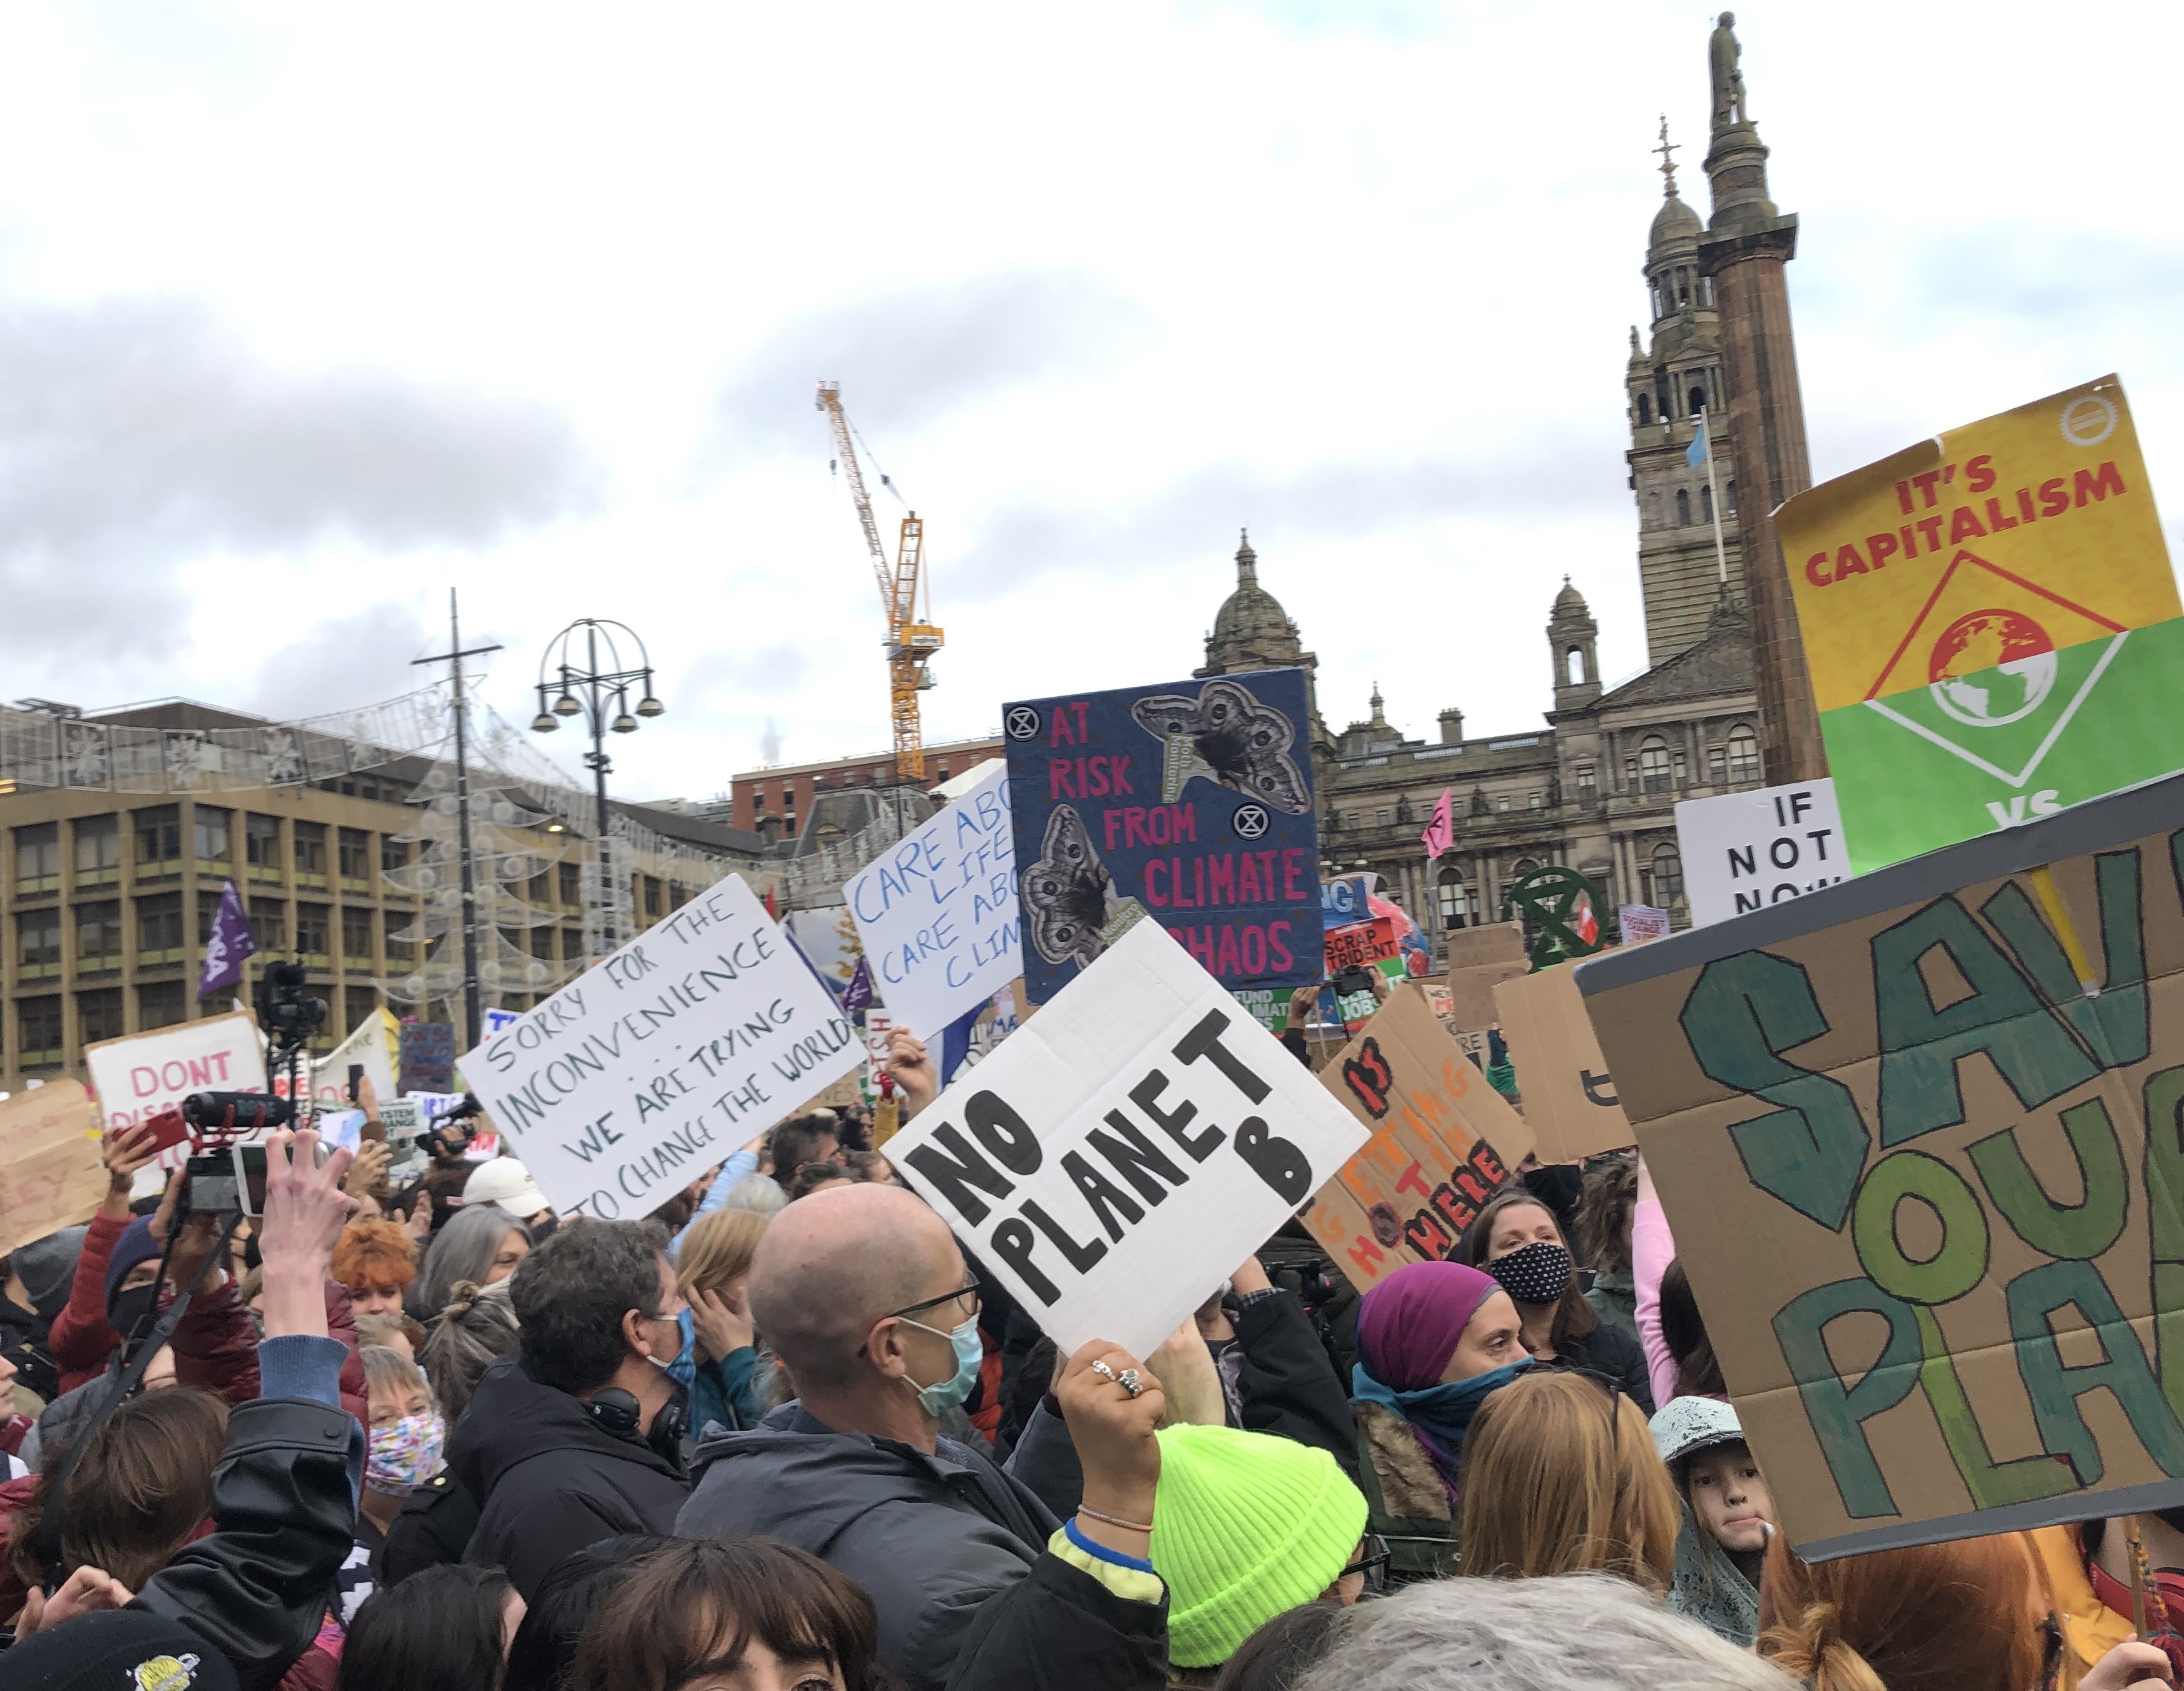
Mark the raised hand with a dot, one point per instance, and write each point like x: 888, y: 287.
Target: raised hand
x: 123, y: 1151
x: 305, y: 1210
x: 1113, y: 1432
x: 722, y: 1319
x: 912, y: 1069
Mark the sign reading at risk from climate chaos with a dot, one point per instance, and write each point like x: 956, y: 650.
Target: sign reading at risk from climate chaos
x: 1189, y: 803
x: 1991, y: 624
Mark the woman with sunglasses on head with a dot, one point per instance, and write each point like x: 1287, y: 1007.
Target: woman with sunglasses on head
x: 1517, y: 1241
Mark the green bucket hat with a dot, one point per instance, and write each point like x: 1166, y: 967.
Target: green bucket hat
x: 1246, y: 1526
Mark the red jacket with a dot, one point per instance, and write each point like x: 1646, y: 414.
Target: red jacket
x: 82, y: 1338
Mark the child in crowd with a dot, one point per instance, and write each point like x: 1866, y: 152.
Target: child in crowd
x: 1728, y: 1516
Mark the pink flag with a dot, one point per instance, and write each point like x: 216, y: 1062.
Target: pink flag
x: 1440, y: 831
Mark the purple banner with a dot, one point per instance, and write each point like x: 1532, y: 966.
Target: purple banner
x: 227, y: 945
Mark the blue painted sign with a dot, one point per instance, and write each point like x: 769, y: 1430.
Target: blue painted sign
x: 1343, y: 902
x: 1189, y: 803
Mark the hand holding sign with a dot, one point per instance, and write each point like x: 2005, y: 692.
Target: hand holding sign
x: 1113, y: 1429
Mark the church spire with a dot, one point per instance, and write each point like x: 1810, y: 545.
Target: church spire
x: 1668, y: 150
x: 1247, y: 561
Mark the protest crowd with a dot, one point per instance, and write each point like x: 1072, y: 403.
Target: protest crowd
x: 787, y: 1431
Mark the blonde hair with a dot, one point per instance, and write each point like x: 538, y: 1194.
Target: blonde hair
x: 717, y: 1248
x: 1955, y: 1616
x: 387, y: 1371
x: 1560, y: 1475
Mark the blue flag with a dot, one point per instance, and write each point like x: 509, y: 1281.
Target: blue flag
x: 1695, y: 454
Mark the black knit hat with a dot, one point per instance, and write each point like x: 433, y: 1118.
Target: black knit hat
x: 123, y: 1649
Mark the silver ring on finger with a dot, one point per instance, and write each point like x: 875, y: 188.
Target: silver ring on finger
x: 1106, y: 1373
x: 1128, y: 1380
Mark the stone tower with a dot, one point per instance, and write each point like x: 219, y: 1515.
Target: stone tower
x: 1252, y: 631
x: 1743, y: 252
x: 1674, y: 373
x: 1572, y: 637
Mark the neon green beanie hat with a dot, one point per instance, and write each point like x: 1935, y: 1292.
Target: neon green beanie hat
x: 1246, y: 1526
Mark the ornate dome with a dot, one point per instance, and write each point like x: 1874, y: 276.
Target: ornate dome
x: 1569, y: 602
x: 1674, y: 223
x: 1252, y: 620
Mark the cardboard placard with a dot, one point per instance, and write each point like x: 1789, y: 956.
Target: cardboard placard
x: 662, y: 1058
x: 427, y: 1053
x: 937, y: 913
x: 1191, y: 803
x: 1361, y: 944
x: 1570, y: 1100
x: 1470, y: 947
x: 1991, y: 622
x: 50, y: 1174
x: 1742, y: 851
x: 1928, y: 1186
x: 140, y: 1075
x: 1640, y: 922
x: 1471, y: 991
x: 1442, y: 1140
x: 1122, y: 1152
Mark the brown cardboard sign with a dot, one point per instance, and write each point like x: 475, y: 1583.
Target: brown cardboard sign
x: 1487, y: 943
x: 50, y: 1175
x: 1442, y: 1140
x: 1570, y: 1100
x: 1920, y: 1137
x: 1471, y: 990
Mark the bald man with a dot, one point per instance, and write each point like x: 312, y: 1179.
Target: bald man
x: 862, y: 1293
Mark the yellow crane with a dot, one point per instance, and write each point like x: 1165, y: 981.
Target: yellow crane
x: 909, y: 643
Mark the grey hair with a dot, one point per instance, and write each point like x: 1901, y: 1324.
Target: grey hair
x: 476, y: 1329
x: 1574, y: 1632
x: 462, y: 1250
x: 759, y: 1192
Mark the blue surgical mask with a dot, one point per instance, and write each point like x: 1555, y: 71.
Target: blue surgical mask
x: 970, y: 1357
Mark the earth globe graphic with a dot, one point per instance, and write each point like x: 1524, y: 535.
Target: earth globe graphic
x: 1991, y: 668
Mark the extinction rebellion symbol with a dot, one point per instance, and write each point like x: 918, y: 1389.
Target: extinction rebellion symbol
x: 1023, y: 723
x: 1250, y: 821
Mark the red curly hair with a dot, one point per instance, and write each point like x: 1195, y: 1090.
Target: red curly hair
x: 375, y: 1254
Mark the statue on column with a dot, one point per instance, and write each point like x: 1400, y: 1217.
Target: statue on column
x: 1722, y: 55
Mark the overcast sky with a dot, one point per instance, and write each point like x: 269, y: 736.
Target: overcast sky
x: 308, y: 313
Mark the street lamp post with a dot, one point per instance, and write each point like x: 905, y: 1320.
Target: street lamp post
x: 593, y: 688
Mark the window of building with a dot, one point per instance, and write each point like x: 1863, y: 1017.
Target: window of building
x: 38, y: 942
x: 314, y: 930
x: 161, y: 1005
x: 1716, y: 765
x: 361, y: 1002
x: 654, y: 909
x: 1729, y: 494
x: 1588, y: 782
x: 354, y: 848
x: 208, y: 914
x: 1668, y: 876
x: 572, y: 944
x: 311, y: 852
x: 1706, y: 504
x: 159, y: 927
x: 98, y: 935
x: 1381, y: 817
x: 38, y: 1033
x: 1500, y: 801
x: 1535, y: 801
x: 1653, y: 766
x: 261, y: 844
x: 1676, y: 758
x: 572, y: 878
x: 1575, y: 667
x: 356, y: 936
x: 209, y: 826
x: 98, y: 850
x: 1350, y: 819
x: 1454, y: 898
x: 99, y: 1014
x: 401, y: 950
x: 1683, y: 508
x: 1645, y: 410
x: 1698, y: 400
x: 38, y: 859
x: 393, y: 854
x: 268, y: 925
x: 159, y: 836
x: 1522, y: 867
x: 1743, y: 755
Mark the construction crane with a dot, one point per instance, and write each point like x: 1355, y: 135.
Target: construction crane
x: 909, y: 643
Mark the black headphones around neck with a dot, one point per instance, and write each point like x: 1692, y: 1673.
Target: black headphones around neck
x: 620, y: 1413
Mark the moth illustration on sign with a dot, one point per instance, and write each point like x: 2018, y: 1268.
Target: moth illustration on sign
x: 1235, y: 741
x: 1065, y: 892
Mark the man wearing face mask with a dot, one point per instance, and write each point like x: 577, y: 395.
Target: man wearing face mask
x: 861, y: 1292
x: 578, y: 1437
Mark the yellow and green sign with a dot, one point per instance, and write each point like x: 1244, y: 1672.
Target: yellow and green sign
x: 1991, y: 624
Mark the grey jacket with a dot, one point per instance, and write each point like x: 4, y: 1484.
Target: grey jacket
x: 930, y: 1538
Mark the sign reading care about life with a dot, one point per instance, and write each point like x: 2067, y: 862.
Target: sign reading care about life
x: 659, y: 1062
x: 1126, y: 1149
x: 1919, y: 1137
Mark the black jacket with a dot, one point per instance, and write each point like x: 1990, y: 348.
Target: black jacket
x: 1613, y: 1358
x: 283, y: 1510
x: 549, y: 1479
x: 1287, y: 1384
x: 1059, y: 1629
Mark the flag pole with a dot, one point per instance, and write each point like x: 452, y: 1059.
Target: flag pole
x: 1714, y: 499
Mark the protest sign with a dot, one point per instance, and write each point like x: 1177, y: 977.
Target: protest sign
x: 1442, y: 1140
x: 1342, y: 901
x: 1127, y: 1147
x: 1468, y: 947
x: 1744, y: 850
x: 663, y: 1057
x: 1570, y: 1102
x: 1362, y: 944
x: 1928, y: 1182
x: 1642, y: 922
x: 1471, y: 991
x: 427, y: 1055
x: 1992, y: 625
x: 1191, y: 803
x: 141, y: 1074
x: 373, y: 1044
x: 937, y: 913
x: 51, y: 1177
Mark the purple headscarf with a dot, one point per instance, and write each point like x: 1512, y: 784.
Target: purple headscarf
x: 1409, y: 1325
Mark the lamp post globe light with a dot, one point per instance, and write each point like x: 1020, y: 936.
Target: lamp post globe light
x: 585, y: 672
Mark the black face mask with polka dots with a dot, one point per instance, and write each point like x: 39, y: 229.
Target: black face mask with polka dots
x: 1538, y: 1274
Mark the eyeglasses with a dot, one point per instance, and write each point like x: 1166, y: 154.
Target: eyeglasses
x: 1373, y: 1558
x: 970, y: 1292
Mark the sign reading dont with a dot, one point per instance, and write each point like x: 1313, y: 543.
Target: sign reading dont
x: 661, y: 1060
x: 1921, y: 1138
x: 139, y: 1075
x: 1127, y: 1147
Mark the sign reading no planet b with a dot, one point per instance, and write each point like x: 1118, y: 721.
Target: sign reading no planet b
x: 1128, y: 1147
x: 937, y: 913
x: 659, y: 1061
x: 1919, y: 1137
x: 1190, y: 803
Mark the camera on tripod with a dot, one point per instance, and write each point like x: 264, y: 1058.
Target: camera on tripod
x: 217, y: 1172
x: 289, y: 1015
